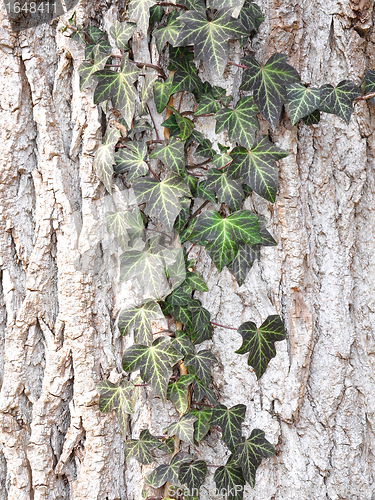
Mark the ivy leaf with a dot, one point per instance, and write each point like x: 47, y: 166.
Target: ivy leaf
x: 230, y: 421
x: 154, y: 362
x: 260, y: 342
x: 139, y: 319
x: 221, y: 237
x: 171, y: 154
x: 205, y: 149
x: 139, y: 11
x: 126, y: 225
x: 122, y: 32
x: 183, y: 429
x: 156, y: 14
x: 210, y: 37
x: 167, y: 473
x: 200, y: 335
x: 118, y: 398
x: 185, y: 125
x: 268, y: 83
x: 250, y: 452
x: 186, y: 77
x: 141, y: 448
x: 202, y: 390
x: 228, y: 190
x: 302, y: 101
x: 162, y: 92
x: 243, y: 262
x: 119, y: 88
x: 182, y: 343
x: 193, y: 474
x: 95, y: 33
x: 257, y: 167
x: 230, y: 478
x: 179, y: 297
x: 369, y: 83
x: 105, y: 158
x: 207, y: 105
x: 86, y: 70
x: 102, y: 46
x: 139, y: 126
x: 251, y: 16
x: 193, y: 4
x: 195, y: 281
x: 200, y: 317
x: 178, y: 393
x: 203, y: 424
x: 169, y: 33
x: 339, y: 100
x: 171, y: 125
x: 146, y: 93
x: 241, y: 122
x: 312, y: 119
x: 131, y: 159
x: 162, y: 198
x: 201, y: 362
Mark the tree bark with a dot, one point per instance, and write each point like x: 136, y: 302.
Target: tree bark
x: 58, y: 338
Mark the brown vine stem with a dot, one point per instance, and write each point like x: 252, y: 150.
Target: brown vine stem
x: 170, y: 4
x: 197, y: 212
x: 184, y: 113
x: 157, y: 231
x: 199, y: 165
x: 153, y: 66
x: 364, y: 97
x: 191, y: 248
x: 153, y: 173
x: 181, y: 98
x: 153, y: 122
x: 222, y: 326
x: 229, y: 162
x: 238, y: 65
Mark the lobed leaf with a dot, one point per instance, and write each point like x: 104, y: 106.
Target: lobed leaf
x: 302, y: 101
x: 117, y: 397
x: 339, y: 100
x: 139, y: 319
x: 183, y: 429
x: 141, y: 448
x: 193, y: 474
x: 230, y: 421
x: 131, y: 160
x: 105, y: 158
x: 203, y: 423
x: 122, y: 32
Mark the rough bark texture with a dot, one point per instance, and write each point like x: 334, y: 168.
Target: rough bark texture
x: 58, y: 338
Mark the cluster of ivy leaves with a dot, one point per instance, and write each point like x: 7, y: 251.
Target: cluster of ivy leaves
x: 170, y: 198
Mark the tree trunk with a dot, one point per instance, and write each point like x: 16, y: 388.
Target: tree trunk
x: 316, y: 402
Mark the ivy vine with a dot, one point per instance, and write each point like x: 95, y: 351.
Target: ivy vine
x: 177, y: 205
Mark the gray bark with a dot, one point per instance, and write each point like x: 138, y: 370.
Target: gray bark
x: 58, y: 337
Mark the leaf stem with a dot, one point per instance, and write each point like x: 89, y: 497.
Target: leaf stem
x: 140, y: 64
x: 179, y: 106
x: 238, y: 65
x: 153, y: 173
x: 153, y: 122
x: 229, y: 162
x: 191, y: 248
x: 170, y: 4
x: 199, y: 165
x: 364, y: 97
x: 197, y: 212
x: 222, y: 326
x: 160, y: 232
x: 203, y: 404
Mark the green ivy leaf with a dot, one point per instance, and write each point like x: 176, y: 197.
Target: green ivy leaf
x: 312, y: 119
x: 122, y: 32
x: 182, y: 343
x: 200, y: 335
x: 228, y: 190
x: 241, y: 122
x: 339, y: 100
x: 154, y: 362
x: 185, y: 125
x: 202, y: 362
x: 193, y: 4
x: 250, y: 452
x: 146, y: 93
x: 204, y: 149
x: 88, y: 69
x: 177, y: 392
x: 139, y: 11
x: 230, y: 421
x: 257, y: 167
x: 117, y: 397
x: 183, y: 429
x: 268, y: 83
x: 207, y: 104
x: 210, y: 37
x: 243, y: 262
x: 125, y: 225
x: 139, y: 319
x: 119, y: 88
x: 230, y: 478
x: 162, y: 198
x: 162, y: 92
x: 369, y: 84
x: 141, y: 448
x: 105, y: 158
x: 204, y: 193
x: 171, y: 125
x: 203, y: 424
x: 95, y: 33
x: 195, y: 281
x: 167, y: 473
x: 302, y: 101
x: 260, y: 342
x: 172, y: 155
x: 186, y: 77
x: 139, y: 126
x: 131, y: 160
x: 102, y: 46
x: 202, y: 390
x: 251, y: 16
x: 168, y: 33
x: 156, y: 14
x: 222, y: 237
x: 200, y: 317
x: 193, y: 474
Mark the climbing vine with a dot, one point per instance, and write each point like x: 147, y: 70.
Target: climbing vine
x: 177, y: 203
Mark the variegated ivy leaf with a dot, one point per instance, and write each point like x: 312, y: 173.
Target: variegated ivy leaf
x: 312, y: 119
x: 339, y: 100
x: 230, y: 421
x: 243, y: 262
x: 178, y: 392
x: 125, y: 225
x: 202, y: 390
x: 139, y: 126
x: 202, y: 362
x: 141, y: 448
x: 156, y: 14
x: 146, y: 93
x: 251, y: 16
x: 102, y: 46
x: 162, y: 92
x: 167, y: 473
x: 139, y: 12
x: 154, y: 362
x: 182, y: 343
x: 250, y: 452
x: 122, y: 32
x: 230, y: 478
x: 257, y: 167
x: 210, y: 36
x: 268, y: 83
x: 203, y: 424
x: 260, y: 342
x: 171, y: 125
x: 228, y: 190
x: 119, y: 88
x: 183, y: 429
x: 186, y: 77
x: 193, y: 474
x: 302, y: 101
x: 193, y: 4
x: 222, y: 237
x: 195, y: 281
x: 168, y: 33
x: 172, y: 155
x: 88, y: 69
x: 185, y: 125
x: 207, y: 105
x: 131, y: 160
x: 369, y: 83
x: 105, y: 158
x: 117, y: 397
x: 95, y: 33
x: 241, y: 122
x: 139, y: 319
